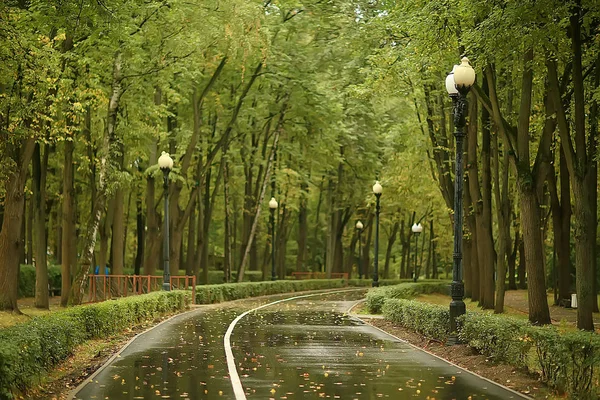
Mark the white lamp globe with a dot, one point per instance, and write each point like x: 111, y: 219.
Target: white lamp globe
x: 464, y: 74
x: 377, y: 188
x: 359, y: 226
x: 450, y: 85
x: 165, y: 162
x: 273, y: 203
x: 417, y: 228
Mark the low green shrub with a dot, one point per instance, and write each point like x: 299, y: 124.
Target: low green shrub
x: 27, y: 279
x: 496, y: 336
x: 377, y: 296
x: 210, y: 294
x: 430, y: 320
x: 29, y: 349
x: 564, y: 360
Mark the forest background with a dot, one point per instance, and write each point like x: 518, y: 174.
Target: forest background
x: 309, y: 102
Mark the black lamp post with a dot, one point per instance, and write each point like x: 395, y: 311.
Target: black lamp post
x: 416, y: 229
x: 377, y: 190
x: 165, y: 163
x: 272, y: 207
x: 458, y: 84
x: 359, y: 228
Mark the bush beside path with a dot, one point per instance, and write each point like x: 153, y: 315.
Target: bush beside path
x: 561, y: 357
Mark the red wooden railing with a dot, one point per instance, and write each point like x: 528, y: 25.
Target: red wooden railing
x: 105, y: 287
x: 319, y: 275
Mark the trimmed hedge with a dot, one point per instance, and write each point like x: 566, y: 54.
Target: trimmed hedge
x: 495, y: 336
x: 27, y: 279
x: 427, y: 319
x: 564, y: 360
x: 210, y: 294
x: 30, y: 349
x: 567, y: 361
x: 376, y: 297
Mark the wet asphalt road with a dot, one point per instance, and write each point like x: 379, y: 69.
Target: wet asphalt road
x: 301, y: 349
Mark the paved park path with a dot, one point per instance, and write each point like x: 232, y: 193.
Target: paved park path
x: 304, y: 348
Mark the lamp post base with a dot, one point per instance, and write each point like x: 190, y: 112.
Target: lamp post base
x: 375, y: 284
x: 457, y: 308
x: 166, y: 287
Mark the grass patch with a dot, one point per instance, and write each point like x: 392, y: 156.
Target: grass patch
x: 9, y: 319
x: 444, y: 300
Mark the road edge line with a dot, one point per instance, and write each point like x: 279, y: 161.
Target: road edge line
x: 88, y: 380
x: 438, y: 357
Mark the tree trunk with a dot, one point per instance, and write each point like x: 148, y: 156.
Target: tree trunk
x: 388, y: 253
x: 316, y: 250
x: 503, y: 216
x: 539, y: 313
x: 91, y: 230
x: 434, y: 266
x: 10, y: 245
x: 332, y: 226
x: 140, y: 232
x: 40, y: 167
x: 282, y: 238
x: 366, y: 251
x: 302, y: 228
x: 404, y: 251
x: 486, y: 215
x: 191, y: 244
x: 580, y: 158
x: 30, y: 222
x: 267, y: 176
x: 57, y: 218
x: 471, y: 270
x: 23, y: 234
x: 227, y: 248
x: 351, y: 258
x: 512, y: 262
x: 68, y: 222
x: 594, y: 116
x: 153, y: 245
x: 561, y: 219
x: 118, y: 236
x: 105, y: 236
x: 522, y: 265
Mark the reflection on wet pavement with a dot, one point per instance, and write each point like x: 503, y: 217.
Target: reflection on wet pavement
x: 305, y: 348
x: 309, y: 349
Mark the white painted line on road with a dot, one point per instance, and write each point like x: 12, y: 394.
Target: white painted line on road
x: 238, y: 389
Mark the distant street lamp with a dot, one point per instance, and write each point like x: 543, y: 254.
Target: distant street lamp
x: 416, y: 229
x: 165, y: 163
x: 458, y: 84
x: 377, y: 189
x: 359, y: 228
x: 272, y: 207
